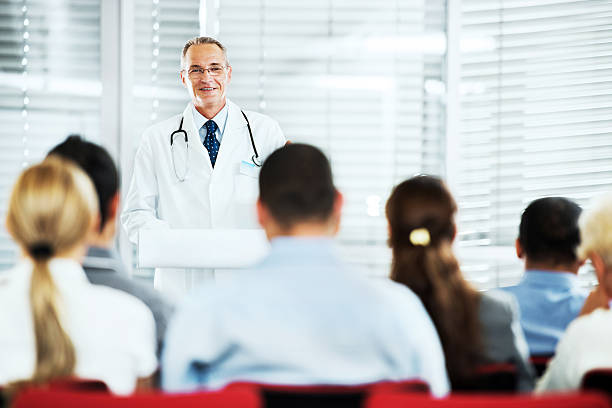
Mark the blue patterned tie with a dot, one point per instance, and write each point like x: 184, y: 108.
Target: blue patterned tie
x: 210, y: 141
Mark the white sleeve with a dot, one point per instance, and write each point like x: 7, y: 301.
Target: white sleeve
x: 278, y: 136
x: 140, y: 210
x: 145, y: 347
x: 565, y: 370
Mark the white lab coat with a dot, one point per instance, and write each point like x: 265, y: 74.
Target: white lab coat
x: 221, y: 198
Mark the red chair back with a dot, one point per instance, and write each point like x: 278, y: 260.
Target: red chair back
x: 321, y: 396
x: 574, y: 400
x: 39, y: 398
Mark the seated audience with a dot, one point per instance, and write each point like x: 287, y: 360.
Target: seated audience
x: 54, y: 322
x: 301, y: 316
x: 549, y: 294
x: 475, y: 328
x: 586, y: 343
x: 102, y: 264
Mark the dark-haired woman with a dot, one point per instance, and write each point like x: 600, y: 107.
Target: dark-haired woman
x: 474, y: 328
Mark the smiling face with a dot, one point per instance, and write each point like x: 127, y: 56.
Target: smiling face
x: 207, y: 92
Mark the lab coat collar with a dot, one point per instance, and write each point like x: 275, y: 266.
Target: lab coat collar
x: 235, y: 134
x: 195, y: 145
x: 235, y: 131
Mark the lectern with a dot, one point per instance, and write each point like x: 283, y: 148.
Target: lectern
x: 201, y: 248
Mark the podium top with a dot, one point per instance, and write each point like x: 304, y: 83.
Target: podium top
x: 201, y: 248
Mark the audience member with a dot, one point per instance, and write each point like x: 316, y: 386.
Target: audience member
x: 301, y: 316
x: 586, y: 343
x: 102, y: 264
x: 475, y: 328
x: 55, y: 323
x: 549, y: 294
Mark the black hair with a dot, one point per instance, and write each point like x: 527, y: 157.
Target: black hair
x: 296, y: 185
x: 99, y: 166
x: 549, y: 231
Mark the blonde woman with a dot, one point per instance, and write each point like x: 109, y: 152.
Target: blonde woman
x: 53, y: 322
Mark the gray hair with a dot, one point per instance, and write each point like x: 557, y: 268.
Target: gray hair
x: 199, y: 41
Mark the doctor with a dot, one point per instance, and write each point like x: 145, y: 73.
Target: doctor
x: 199, y: 169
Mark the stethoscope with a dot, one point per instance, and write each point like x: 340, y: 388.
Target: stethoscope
x: 255, y: 158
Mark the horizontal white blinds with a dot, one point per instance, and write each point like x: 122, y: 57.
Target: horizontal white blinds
x: 161, y: 28
x: 50, y: 85
x: 349, y: 77
x: 535, y: 78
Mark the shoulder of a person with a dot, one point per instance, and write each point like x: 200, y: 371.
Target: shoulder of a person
x: 116, y: 280
x: 495, y: 301
x: 598, y: 321
x: 123, y: 306
x: 391, y: 291
x: 163, y: 129
x: 256, y: 118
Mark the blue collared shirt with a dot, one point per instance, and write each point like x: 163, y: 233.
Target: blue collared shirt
x: 302, y: 317
x: 548, y: 302
x: 220, y: 119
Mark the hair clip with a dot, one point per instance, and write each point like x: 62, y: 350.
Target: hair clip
x: 420, y: 237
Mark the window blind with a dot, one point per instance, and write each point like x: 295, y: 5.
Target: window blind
x: 161, y: 28
x: 362, y: 80
x: 50, y: 85
x: 159, y: 32
x: 535, y: 81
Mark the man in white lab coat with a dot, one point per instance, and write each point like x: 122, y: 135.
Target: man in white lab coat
x: 199, y: 169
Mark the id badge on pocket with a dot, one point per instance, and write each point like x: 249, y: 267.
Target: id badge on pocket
x: 249, y: 169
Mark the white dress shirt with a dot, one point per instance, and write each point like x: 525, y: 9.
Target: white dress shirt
x: 113, y: 333
x: 220, y: 119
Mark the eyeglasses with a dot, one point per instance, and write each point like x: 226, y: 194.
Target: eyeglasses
x: 199, y: 72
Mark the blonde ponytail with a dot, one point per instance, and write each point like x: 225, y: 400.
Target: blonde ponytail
x: 51, y: 211
x: 55, y: 355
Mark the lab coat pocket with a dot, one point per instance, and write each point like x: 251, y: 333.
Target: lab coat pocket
x: 246, y: 189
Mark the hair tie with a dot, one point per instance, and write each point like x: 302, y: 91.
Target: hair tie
x: 420, y: 237
x: 41, y: 251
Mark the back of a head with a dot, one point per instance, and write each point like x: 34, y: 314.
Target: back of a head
x: 52, y: 209
x: 549, y: 231
x: 421, y: 202
x: 420, y: 212
x: 296, y: 185
x: 99, y: 166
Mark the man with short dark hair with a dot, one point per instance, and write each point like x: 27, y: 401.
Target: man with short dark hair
x: 549, y: 294
x: 301, y: 316
x: 102, y: 266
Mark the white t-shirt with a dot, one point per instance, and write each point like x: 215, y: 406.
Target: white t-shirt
x: 113, y: 333
x: 584, y: 346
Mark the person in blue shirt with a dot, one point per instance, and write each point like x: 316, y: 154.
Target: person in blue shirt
x: 301, y: 316
x: 549, y: 294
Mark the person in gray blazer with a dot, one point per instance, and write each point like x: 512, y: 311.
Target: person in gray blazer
x: 102, y: 264
x: 475, y: 328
